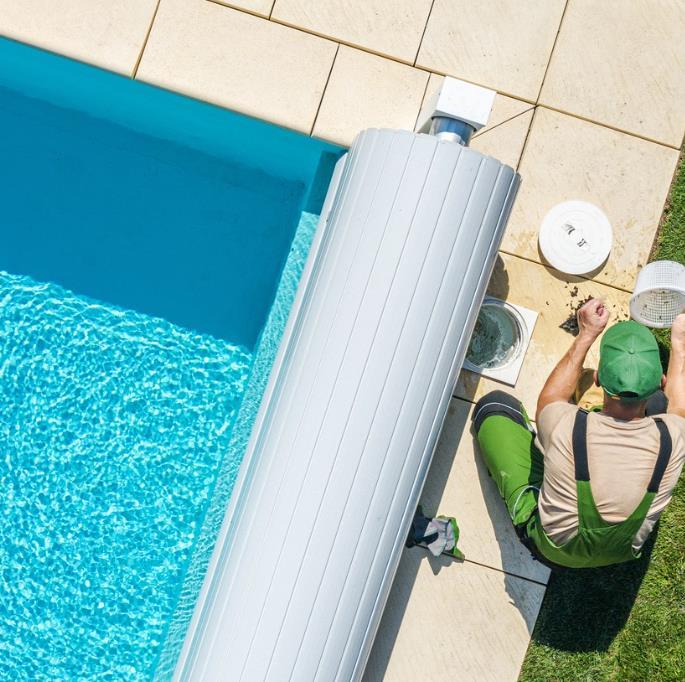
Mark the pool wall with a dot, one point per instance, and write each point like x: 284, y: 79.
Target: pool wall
x: 146, y: 199
x: 358, y: 393
x: 159, y: 113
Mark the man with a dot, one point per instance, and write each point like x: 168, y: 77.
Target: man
x: 606, y: 475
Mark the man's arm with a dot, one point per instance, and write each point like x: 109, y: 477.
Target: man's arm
x: 675, y: 378
x: 561, y: 384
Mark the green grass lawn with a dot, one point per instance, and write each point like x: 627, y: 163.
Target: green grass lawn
x: 625, y: 622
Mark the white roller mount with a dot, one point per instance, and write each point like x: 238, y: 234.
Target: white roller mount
x: 356, y: 400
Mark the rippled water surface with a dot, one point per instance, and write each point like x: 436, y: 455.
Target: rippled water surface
x: 113, y: 426
x: 121, y: 436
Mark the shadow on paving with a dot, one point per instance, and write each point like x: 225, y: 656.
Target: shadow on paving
x: 504, y: 533
x: 410, y: 563
x: 585, y: 609
x: 412, y: 559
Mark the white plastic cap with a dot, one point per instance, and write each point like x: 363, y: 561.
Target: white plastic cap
x: 458, y: 99
x: 575, y: 237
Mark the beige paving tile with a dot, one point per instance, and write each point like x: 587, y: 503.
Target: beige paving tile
x: 368, y: 91
x: 453, y: 621
x: 628, y: 178
x: 458, y: 485
x: 390, y: 27
x: 554, y: 296
x: 502, y: 44
x: 238, y: 61
x: 622, y: 64
x: 108, y: 34
x: 261, y: 7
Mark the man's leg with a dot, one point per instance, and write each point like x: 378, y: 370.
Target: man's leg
x: 506, y: 439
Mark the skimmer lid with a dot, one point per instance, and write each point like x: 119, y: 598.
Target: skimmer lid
x: 575, y: 237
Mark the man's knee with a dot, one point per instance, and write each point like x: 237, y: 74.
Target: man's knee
x: 499, y: 403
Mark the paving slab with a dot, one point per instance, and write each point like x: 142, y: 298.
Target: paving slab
x: 239, y: 61
x: 501, y: 44
x: 505, y: 141
x: 622, y: 64
x: 627, y: 177
x: 368, y: 91
x: 554, y: 296
x: 389, y: 27
x: 458, y: 485
x: 100, y: 32
x: 447, y: 621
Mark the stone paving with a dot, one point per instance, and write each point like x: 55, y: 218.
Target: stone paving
x: 590, y: 105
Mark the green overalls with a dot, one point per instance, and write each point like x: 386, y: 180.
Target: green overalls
x: 516, y: 466
x: 599, y: 543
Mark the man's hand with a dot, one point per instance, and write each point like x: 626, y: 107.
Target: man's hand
x: 561, y: 383
x: 593, y: 318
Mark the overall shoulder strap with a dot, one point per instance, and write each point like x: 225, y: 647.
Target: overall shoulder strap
x: 579, y: 441
x: 589, y: 518
x: 665, y: 448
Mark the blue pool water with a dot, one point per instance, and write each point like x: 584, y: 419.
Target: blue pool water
x: 151, y: 248
x: 113, y: 425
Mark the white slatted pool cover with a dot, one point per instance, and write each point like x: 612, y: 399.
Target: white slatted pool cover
x: 349, y: 422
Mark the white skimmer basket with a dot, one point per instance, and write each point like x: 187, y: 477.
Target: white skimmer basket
x: 659, y: 294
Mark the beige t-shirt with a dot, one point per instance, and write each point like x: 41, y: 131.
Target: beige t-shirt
x: 621, y: 459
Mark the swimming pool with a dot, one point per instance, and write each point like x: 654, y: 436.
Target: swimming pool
x: 152, y: 245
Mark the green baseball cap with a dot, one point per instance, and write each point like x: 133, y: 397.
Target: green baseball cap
x: 629, y: 364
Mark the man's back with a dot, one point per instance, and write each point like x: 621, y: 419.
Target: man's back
x: 621, y: 459
x: 594, y: 494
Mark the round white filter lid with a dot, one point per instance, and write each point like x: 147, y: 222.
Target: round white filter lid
x: 575, y: 237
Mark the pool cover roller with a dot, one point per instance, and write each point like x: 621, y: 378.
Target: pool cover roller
x: 357, y: 396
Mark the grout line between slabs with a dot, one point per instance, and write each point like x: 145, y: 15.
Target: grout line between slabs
x: 147, y: 37
x: 504, y: 93
x: 503, y: 572
x: 323, y: 92
x: 551, y: 52
x: 577, y: 279
x: 525, y: 139
x: 580, y: 117
x: 244, y: 10
x: 423, y: 100
x: 485, y: 131
x: 423, y: 33
x: 324, y: 36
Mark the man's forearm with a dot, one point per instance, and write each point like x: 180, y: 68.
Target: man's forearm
x: 675, y: 381
x: 561, y: 384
